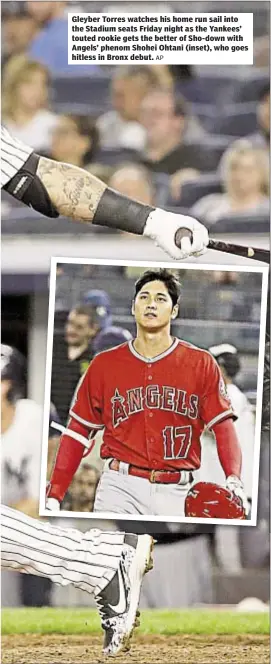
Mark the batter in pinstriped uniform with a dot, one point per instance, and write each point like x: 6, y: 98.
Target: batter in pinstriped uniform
x: 152, y: 396
x: 111, y: 565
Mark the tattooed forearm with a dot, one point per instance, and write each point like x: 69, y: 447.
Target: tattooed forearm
x: 75, y: 192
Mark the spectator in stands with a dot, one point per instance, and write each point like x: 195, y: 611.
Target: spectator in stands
x: 165, y: 120
x: 100, y: 302
x: 245, y: 178
x: 120, y: 127
x: 261, y: 137
x: 72, y: 353
x: 25, y: 111
x: 75, y: 140
x: 135, y: 181
x: 82, y: 491
x: 18, y: 30
x: 50, y: 46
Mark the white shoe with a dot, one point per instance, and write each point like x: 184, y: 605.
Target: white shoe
x: 118, y: 602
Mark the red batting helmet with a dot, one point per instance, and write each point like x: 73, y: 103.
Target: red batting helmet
x: 211, y: 501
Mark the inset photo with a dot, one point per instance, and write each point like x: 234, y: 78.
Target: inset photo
x: 155, y: 377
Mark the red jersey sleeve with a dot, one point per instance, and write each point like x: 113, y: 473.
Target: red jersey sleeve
x: 86, y: 406
x: 215, y: 402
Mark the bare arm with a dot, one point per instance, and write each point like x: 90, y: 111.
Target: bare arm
x: 54, y: 188
x: 74, y: 192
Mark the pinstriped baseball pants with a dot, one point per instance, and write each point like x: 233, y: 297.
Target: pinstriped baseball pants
x: 66, y: 556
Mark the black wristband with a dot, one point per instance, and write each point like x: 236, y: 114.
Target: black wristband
x: 117, y: 211
x: 27, y: 187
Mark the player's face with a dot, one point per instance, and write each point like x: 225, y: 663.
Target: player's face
x: 153, y: 308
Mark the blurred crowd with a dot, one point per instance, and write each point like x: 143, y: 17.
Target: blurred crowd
x: 181, y: 137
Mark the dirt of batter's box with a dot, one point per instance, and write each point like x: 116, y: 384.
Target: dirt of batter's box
x: 149, y: 649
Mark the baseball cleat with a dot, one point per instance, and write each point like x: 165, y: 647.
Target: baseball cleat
x: 118, y: 602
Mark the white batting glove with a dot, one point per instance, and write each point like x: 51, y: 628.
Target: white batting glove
x: 161, y: 226
x: 235, y: 485
x: 52, y: 505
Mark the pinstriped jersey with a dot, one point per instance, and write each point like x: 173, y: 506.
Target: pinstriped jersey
x: 153, y: 411
x: 14, y: 154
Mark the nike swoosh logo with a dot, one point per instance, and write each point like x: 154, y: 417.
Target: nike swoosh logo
x: 120, y: 607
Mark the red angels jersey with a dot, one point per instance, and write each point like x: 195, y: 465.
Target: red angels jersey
x: 153, y: 411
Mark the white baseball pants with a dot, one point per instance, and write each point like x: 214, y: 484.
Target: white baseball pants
x: 120, y: 493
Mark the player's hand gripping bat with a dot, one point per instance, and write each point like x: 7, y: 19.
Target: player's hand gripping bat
x: 236, y: 249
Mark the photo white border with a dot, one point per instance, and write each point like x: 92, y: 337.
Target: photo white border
x: 264, y: 270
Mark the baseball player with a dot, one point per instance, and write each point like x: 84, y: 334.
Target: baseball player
x: 110, y: 565
x: 55, y: 188
x: 152, y: 397
x: 21, y: 424
x: 228, y: 359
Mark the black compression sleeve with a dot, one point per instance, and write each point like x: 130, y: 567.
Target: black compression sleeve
x: 27, y: 187
x: 117, y: 211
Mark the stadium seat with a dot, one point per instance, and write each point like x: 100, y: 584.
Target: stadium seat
x: 206, y: 89
x: 249, y: 90
x: 27, y: 221
x: 258, y: 223
x: 80, y: 94
x: 115, y: 156
x: 211, y: 151
x: 236, y: 120
x: 161, y: 188
x: 192, y: 191
x: 204, y: 112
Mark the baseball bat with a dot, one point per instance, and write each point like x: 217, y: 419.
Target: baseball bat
x: 255, y: 253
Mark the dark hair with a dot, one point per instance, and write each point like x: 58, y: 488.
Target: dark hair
x: 162, y: 274
x: 230, y: 363
x: 86, y: 126
x: 181, y: 107
x: 85, y: 310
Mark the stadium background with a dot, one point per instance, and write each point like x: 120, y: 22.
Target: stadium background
x: 225, y: 99
x: 216, y: 307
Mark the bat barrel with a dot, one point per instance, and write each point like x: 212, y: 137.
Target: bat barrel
x: 238, y: 250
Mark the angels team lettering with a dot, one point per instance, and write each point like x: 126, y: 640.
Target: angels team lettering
x: 162, y: 397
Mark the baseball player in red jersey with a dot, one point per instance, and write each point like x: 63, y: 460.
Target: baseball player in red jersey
x: 153, y: 397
